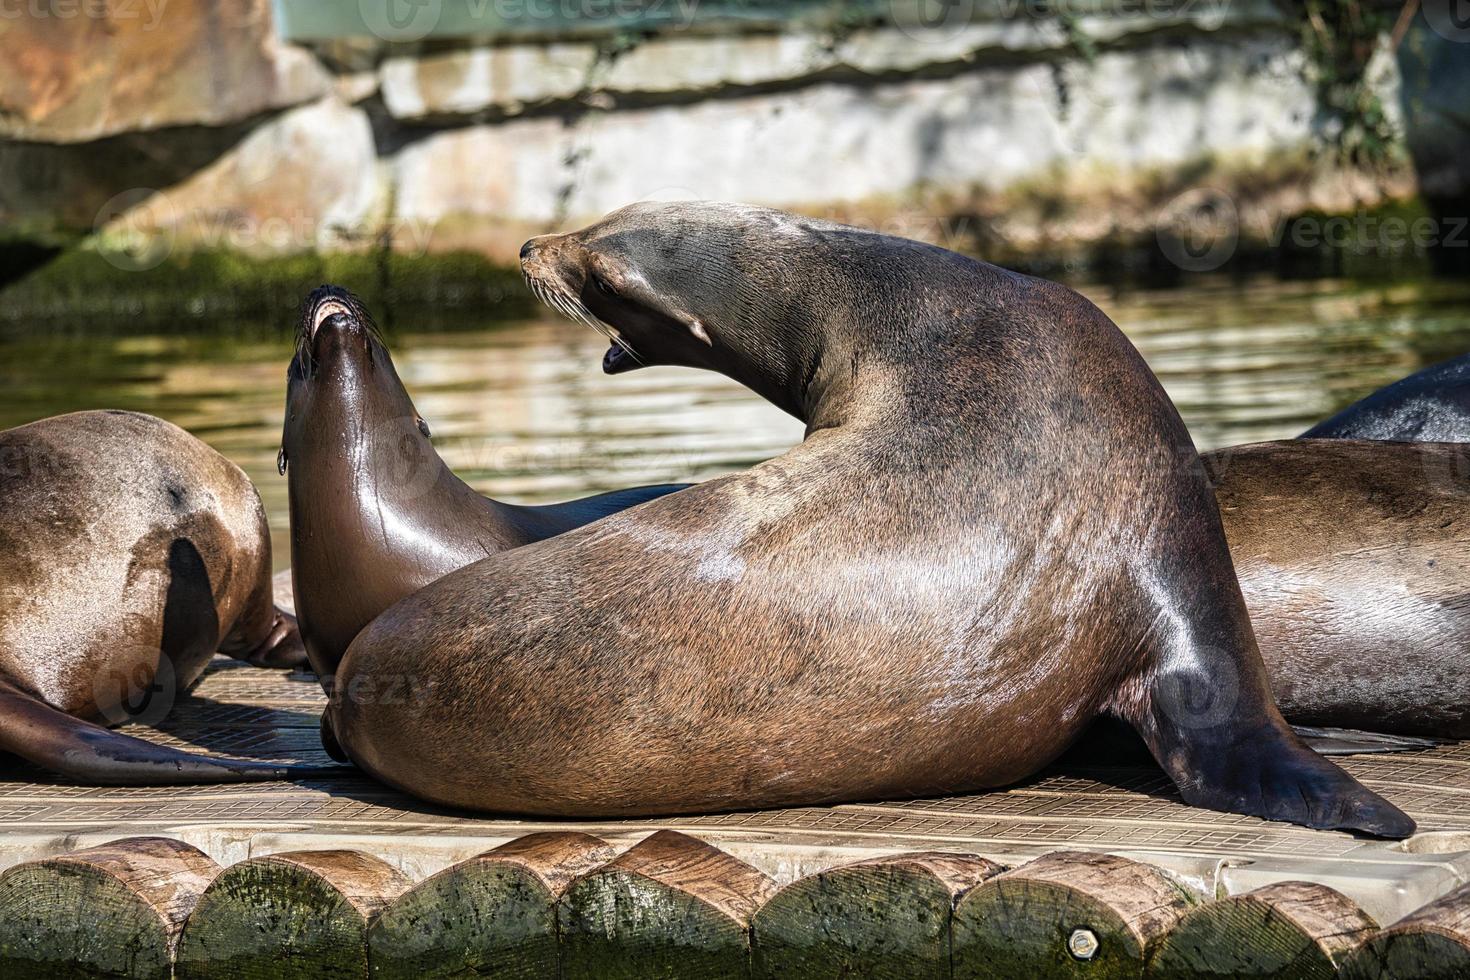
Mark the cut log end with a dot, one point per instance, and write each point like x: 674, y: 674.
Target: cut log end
x: 1066, y: 914
x: 492, y: 915
x: 1287, y: 930
x: 308, y: 909
x: 1430, y: 944
x: 881, y: 918
x: 671, y: 906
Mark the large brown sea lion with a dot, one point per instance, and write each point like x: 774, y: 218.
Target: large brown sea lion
x: 995, y: 531
x: 375, y: 513
x: 1430, y: 406
x: 133, y: 552
x: 1352, y: 559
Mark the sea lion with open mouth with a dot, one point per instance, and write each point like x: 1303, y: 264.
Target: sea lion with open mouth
x: 133, y: 552
x: 995, y: 531
x: 375, y: 513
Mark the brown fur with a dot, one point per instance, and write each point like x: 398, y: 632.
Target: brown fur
x: 1352, y: 559
x: 996, y: 530
x: 133, y: 552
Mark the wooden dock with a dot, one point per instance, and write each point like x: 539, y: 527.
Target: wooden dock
x: 1089, y: 868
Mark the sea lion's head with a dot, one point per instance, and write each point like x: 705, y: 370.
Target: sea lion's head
x: 727, y: 287
x: 343, y: 395
x: 357, y: 455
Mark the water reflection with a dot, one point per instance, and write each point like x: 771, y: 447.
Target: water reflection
x: 523, y: 412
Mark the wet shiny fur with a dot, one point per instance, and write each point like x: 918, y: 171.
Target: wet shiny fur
x: 1352, y: 559
x: 133, y: 552
x: 996, y: 530
x: 375, y: 513
x: 1430, y: 406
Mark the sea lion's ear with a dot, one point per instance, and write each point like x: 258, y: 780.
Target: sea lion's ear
x: 697, y: 328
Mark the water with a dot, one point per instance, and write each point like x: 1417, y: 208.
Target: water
x: 523, y: 412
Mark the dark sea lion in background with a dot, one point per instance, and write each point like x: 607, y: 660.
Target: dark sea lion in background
x: 1431, y: 406
x: 133, y: 552
x: 1352, y: 559
x: 375, y: 513
x: 995, y: 531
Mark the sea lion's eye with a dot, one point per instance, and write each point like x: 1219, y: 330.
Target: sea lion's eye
x: 603, y: 285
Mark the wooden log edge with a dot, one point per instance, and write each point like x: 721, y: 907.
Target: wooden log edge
x: 366, y: 882
x: 669, y: 906
x: 556, y: 858
x: 168, y: 875
x: 886, y: 916
x: 1066, y: 912
x: 1293, y: 929
x: 1430, y: 943
x: 164, y: 875
x: 493, y: 914
x: 697, y: 869
x: 304, y: 912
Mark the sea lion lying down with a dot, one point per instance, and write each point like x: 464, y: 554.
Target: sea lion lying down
x: 133, y: 552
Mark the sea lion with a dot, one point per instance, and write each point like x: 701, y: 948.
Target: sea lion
x: 1430, y: 406
x: 133, y: 552
x: 1351, y: 556
x: 995, y: 530
x: 375, y: 513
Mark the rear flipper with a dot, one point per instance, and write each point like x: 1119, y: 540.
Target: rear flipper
x: 1347, y: 741
x: 88, y: 753
x: 281, y: 647
x: 1207, y: 716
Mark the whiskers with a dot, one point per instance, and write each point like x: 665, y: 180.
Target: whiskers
x: 557, y: 298
x: 311, y: 315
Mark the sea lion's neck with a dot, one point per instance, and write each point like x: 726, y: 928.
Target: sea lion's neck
x: 819, y: 375
x: 358, y: 474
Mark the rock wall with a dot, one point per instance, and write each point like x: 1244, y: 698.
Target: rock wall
x: 190, y: 125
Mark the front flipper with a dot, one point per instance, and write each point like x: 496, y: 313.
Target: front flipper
x: 1347, y: 741
x: 90, y: 754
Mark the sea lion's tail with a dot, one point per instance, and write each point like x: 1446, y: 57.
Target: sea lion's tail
x: 90, y: 754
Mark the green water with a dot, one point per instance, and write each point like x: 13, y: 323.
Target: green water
x: 522, y: 410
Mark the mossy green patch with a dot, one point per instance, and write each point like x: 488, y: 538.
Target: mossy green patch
x: 84, y: 284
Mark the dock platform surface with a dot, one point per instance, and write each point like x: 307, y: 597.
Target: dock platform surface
x: 1129, y: 810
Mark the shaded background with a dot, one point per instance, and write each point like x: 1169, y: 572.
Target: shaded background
x: 1269, y: 197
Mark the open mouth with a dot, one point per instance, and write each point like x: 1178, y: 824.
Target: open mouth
x: 620, y: 354
x: 331, y: 305
x: 619, y: 358
x: 325, y: 310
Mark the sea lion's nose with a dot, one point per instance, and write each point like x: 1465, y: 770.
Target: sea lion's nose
x: 528, y: 249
